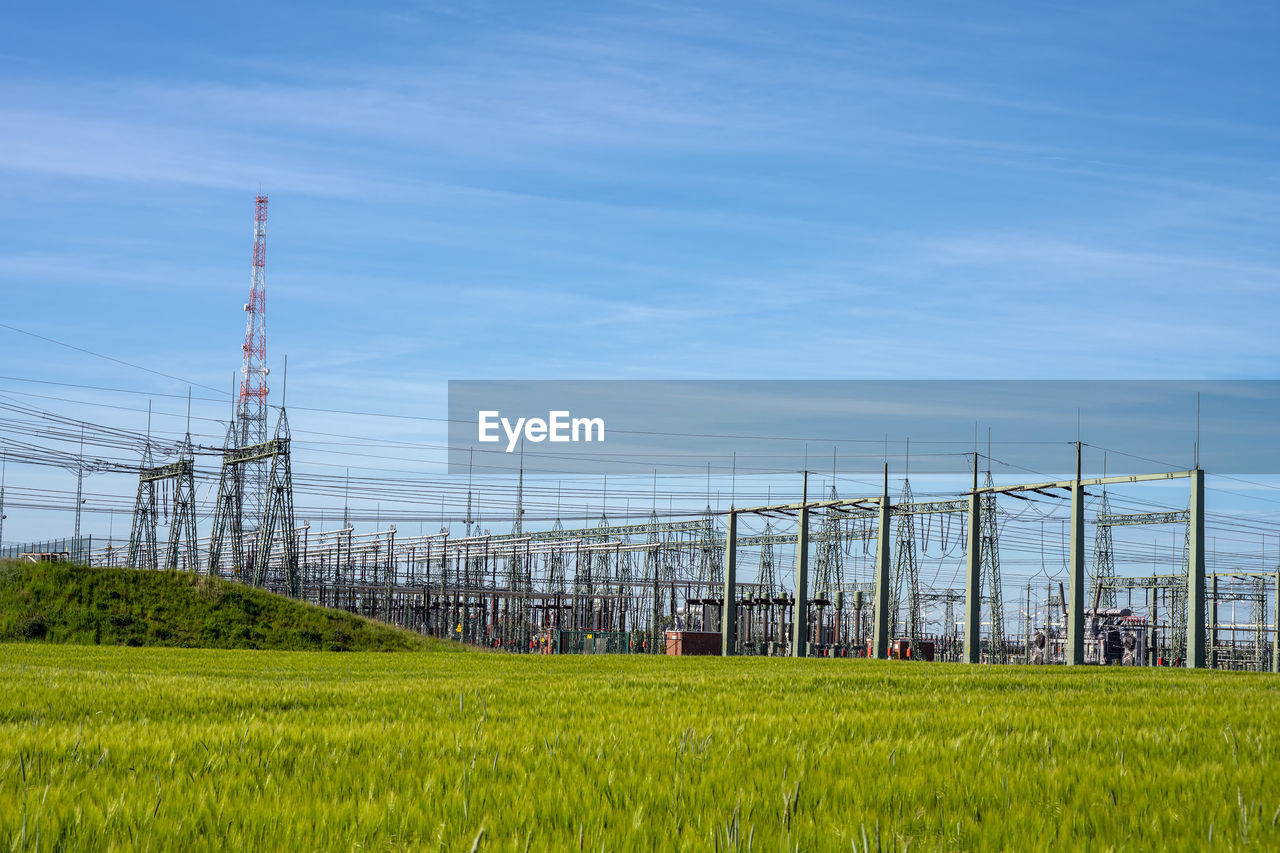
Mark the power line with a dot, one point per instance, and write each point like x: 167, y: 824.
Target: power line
x: 108, y: 357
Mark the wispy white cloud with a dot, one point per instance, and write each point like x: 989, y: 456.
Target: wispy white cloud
x: 685, y: 191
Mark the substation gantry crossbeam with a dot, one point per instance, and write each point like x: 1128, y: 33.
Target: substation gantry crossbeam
x: 604, y: 532
x: 929, y: 507
x: 623, y: 530
x: 761, y: 539
x: 568, y: 536
x: 1148, y: 582
x: 1177, y: 517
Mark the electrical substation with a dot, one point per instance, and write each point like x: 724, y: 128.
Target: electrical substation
x: 884, y: 574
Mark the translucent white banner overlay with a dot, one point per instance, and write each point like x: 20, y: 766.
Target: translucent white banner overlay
x: 681, y: 426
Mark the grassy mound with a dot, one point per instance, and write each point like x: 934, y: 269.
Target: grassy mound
x: 64, y: 603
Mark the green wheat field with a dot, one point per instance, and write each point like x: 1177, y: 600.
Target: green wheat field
x: 121, y: 748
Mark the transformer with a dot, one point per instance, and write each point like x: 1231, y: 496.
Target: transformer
x: 1114, y: 636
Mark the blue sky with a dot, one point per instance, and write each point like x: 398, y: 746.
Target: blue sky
x: 638, y: 190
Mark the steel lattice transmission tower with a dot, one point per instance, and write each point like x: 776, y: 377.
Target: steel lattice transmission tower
x: 142, y: 537
x: 830, y: 569
x: 1104, y: 556
x: 710, y: 555
x: 251, y: 413
x: 768, y: 579
x: 1178, y: 603
x: 906, y: 572
x: 556, y: 566
x: 990, y: 545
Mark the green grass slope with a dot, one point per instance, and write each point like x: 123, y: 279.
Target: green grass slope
x: 64, y: 603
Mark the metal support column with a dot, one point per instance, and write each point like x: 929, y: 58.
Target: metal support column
x: 1075, y: 605
x: 1275, y: 641
x: 880, y: 618
x: 1211, y: 623
x: 973, y: 576
x: 800, y: 612
x: 1195, y: 574
x: 729, y: 614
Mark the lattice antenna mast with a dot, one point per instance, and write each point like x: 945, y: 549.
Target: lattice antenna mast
x: 253, y: 369
x: 252, y: 400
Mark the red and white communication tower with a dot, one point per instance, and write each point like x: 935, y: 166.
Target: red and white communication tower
x: 252, y: 411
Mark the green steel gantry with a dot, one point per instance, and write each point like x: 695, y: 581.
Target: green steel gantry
x: 1195, y: 568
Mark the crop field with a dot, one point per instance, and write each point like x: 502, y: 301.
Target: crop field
x: 164, y: 748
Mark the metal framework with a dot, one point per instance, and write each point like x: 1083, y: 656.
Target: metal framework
x: 1104, y: 557
x: 1104, y: 561
x: 636, y: 581
x: 276, y: 521
x: 989, y: 528
x: 180, y: 553
x: 142, y: 535
x: 251, y: 413
x: 886, y: 589
x: 906, y: 573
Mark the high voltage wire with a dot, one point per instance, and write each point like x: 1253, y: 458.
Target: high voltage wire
x: 38, y: 423
x: 392, y: 443
x: 645, y: 465
x: 223, y: 397
x: 878, y: 442
x: 625, y: 458
x: 107, y: 357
